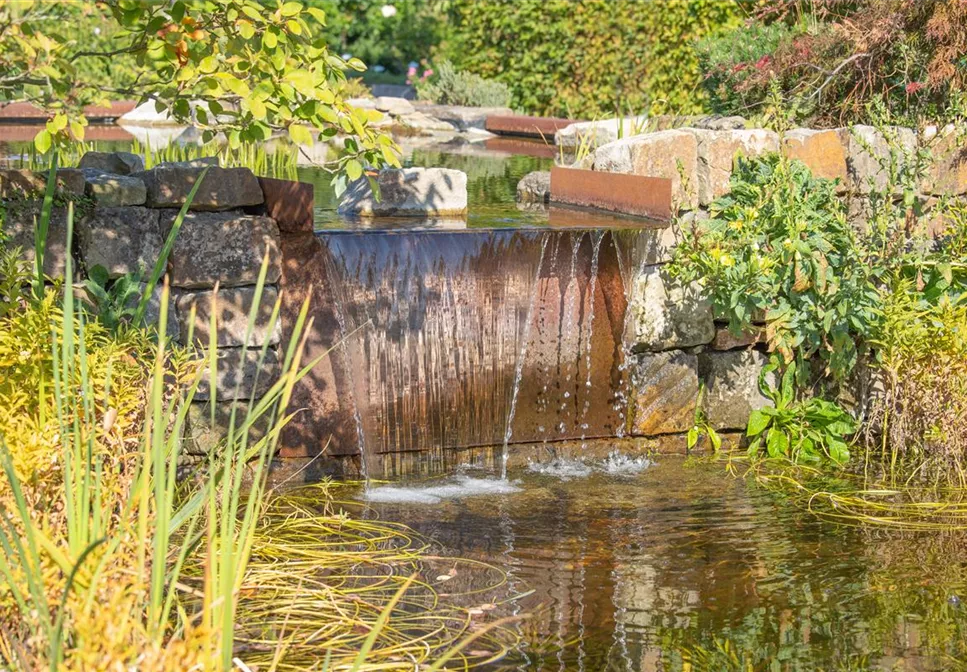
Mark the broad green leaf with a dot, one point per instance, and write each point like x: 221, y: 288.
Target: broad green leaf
x: 291, y: 8
x: 758, y: 421
x: 300, y: 134
x: 354, y: 169
x: 43, y: 141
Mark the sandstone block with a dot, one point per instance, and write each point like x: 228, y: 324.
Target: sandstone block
x: 947, y: 172
x: 203, y: 435
x: 31, y: 184
x: 666, y: 392
x: 408, y: 192
x: 116, y: 163
x: 152, y: 313
x: 239, y: 367
x: 670, y: 154
x: 664, y: 314
x: 717, y: 151
x: 227, y: 248
x: 169, y: 184
x: 122, y: 240
x: 19, y: 228
x: 821, y: 150
x: 232, y: 307
x: 114, y: 190
x: 868, y: 154
x: 732, y: 386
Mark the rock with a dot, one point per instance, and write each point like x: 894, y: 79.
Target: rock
x: 146, y: 114
x: 239, y: 367
x: 362, y: 103
x: 716, y: 155
x: 666, y: 392
x: 665, y: 315
x: 535, y: 187
x: 424, y: 122
x: 464, y: 118
x: 116, y: 163
x: 669, y: 154
x: 114, y: 190
x: 408, y: 192
x: 122, y: 240
x: 719, y: 123
x: 227, y: 248
x: 233, y: 308
x: 18, y: 227
x: 597, y: 133
x: 947, y: 171
x: 199, y: 162
x: 732, y: 386
x: 152, y: 313
x: 169, y: 184
x: 16, y: 183
x: 726, y: 340
x: 202, y: 435
x: 868, y: 152
x: 821, y: 151
x: 396, y: 107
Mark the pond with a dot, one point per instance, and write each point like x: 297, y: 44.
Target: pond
x: 642, y: 564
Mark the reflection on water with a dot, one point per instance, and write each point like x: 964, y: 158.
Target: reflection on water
x: 664, y: 567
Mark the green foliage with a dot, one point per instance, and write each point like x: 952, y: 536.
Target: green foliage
x: 779, y: 246
x: 114, y: 303
x: 812, y: 430
x: 238, y: 67
x: 363, y: 28
x: 588, y: 58
x: 447, y: 86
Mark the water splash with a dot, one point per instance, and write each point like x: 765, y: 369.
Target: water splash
x: 519, y: 372
x: 596, y: 238
x: 458, y: 488
x: 615, y: 464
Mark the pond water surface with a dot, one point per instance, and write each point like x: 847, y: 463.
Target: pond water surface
x: 664, y: 565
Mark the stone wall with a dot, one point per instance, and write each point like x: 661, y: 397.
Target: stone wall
x: 123, y: 215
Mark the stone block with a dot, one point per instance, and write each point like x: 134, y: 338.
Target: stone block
x: 597, y: 133
x: 232, y: 307
x: 114, y: 190
x: 239, y: 367
x: 868, y: 152
x: 227, y: 248
x: 726, y: 340
x: 116, y: 163
x: 535, y: 187
x: 463, y: 117
x: 203, y: 434
x: 394, y: 106
x: 408, y: 192
x: 732, y: 386
x: 821, y: 150
x: 18, y: 227
x: 169, y: 184
x: 152, y: 313
x: 16, y: 183
x: 122, y: 240
x: 670, y: 154
x: 666, y: 392
x: 717, y: 151
x: 947, y: 171
x: 664, y: 315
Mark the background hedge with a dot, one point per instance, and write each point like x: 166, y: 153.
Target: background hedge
x: 587, y: 58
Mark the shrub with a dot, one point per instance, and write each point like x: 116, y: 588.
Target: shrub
x: 450, y: 87
x: 832, y: 57
x: 587, y: 58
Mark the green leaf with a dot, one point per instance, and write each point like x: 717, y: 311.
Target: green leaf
x: 758, y: 421
x: 300, y: 134
x: 246, y: 29
x: 716, y: 440
x: 692, y: 438
x: 43, y: 141
x: 777, y: 443
x: 317, y: 14
x: 291, y: 8
x: 354, y: 169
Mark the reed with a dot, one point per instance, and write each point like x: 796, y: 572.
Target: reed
x: 112, y: 559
